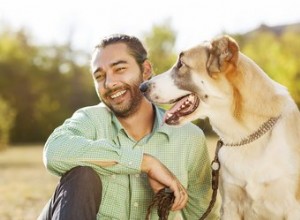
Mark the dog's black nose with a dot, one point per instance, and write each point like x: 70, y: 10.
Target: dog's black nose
x: 144, y: 87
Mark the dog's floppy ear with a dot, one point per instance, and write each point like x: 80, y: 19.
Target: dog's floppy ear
x: 223, y: 52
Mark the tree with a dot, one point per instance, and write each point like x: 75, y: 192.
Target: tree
x: 278, y: 55
x: 160, y: 42
x: 7, y: 119
x: 291, y: 42
x: 64, y: 86
x: 44, y: 84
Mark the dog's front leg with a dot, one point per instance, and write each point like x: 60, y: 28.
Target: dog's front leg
x: 231, y: 202
x: 230, y: 212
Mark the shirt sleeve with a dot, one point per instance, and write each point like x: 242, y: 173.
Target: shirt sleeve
x: 199, y: 182
x: 75, y: 144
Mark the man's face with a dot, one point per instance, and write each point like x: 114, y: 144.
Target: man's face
x: 117, y: 77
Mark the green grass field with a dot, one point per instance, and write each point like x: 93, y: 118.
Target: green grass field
x: 26, y: 185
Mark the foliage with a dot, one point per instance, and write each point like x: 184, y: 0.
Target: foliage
x: 277, y: 54
x: 160, y: 42
x: 45, y: 84
x: 7, y: 118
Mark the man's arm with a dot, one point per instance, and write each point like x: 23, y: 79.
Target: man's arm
x: 76, y: 143
x: 161, y: 177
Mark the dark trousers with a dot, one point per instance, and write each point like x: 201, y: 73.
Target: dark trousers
x: 77, y: 196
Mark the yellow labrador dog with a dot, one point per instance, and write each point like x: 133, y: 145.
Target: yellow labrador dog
x: 256, y: 119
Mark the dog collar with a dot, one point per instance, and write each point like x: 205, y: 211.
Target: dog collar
x: 264, y: 128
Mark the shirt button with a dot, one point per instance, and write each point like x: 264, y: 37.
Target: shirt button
x: 137, y: 175
x: 130, y: 163
x: 135, y: 204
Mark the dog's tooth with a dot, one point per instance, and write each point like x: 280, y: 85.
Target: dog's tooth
x: 191, y: 98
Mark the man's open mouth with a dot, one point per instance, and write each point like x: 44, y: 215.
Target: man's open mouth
x: 183, y: 106
x: 118, y: 94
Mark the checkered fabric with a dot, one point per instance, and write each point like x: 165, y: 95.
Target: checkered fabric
x: 94, y: 134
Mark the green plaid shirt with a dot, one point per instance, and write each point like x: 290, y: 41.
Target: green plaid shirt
x: 94, y: 134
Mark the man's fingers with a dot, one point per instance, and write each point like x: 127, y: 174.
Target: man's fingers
x: 183, y: 201
x: 181, y: 198
x: 180, y: 203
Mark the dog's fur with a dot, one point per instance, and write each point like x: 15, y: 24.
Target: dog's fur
x: 258, y: 180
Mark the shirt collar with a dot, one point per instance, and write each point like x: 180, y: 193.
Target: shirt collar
x: 159, y: 125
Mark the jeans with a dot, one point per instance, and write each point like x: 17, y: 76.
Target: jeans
x: 77, y: 196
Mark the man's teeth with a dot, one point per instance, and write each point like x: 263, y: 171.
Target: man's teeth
x: 118, y: 94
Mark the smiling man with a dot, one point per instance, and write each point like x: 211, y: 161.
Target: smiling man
x: 114, y: 156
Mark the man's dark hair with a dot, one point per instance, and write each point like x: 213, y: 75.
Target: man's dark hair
x: 134, y: 45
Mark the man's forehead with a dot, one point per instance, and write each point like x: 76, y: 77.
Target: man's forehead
x: 110, y: 55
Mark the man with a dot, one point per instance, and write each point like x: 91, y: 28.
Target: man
x: 114, y: 156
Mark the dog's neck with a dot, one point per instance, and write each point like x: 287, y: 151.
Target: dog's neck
x: 255, y: 116
x: 264, y: 128
x: 252, y: 81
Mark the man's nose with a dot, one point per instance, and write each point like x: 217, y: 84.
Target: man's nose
x: 144, y: 87
x: 110, y: 81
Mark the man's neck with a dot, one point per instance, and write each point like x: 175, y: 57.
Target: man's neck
x: 141, y: 122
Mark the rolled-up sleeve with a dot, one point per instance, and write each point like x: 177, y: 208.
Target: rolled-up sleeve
x: 77, y: 143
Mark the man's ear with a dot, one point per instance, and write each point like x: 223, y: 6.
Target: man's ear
x: 224, y: 51
x: 147, y: 70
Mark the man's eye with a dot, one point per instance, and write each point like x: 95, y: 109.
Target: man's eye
x: 99, y: 77
x: 120, y: 69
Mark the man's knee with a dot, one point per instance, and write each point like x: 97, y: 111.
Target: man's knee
x: 83, y: 176
x: 81, y: 183
x: 78, y: 196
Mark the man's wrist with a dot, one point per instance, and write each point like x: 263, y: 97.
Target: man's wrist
x: 147, y: 160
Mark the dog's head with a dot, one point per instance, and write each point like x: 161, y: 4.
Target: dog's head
x: 198, y: 83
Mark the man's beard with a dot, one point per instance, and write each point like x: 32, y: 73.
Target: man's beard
x: 131, y: 105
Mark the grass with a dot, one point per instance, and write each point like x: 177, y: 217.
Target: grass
x: 26, y: 185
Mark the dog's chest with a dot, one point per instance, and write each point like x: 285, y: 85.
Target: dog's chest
x: 257, y: 181
x: 254, y: 168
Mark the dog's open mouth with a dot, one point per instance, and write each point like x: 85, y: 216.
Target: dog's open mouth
x: 184, y: 106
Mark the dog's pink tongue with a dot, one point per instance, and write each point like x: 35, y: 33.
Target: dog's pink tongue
x: 173, y: 113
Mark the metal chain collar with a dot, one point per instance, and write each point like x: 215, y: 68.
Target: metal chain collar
x: 264, y: 128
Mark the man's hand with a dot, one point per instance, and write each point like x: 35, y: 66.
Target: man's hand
x: 160, y: 176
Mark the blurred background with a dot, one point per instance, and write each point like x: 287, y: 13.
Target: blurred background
x: 45, y: 49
